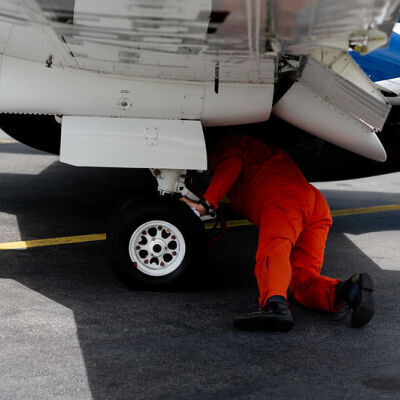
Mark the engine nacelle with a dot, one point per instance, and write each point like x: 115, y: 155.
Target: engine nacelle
x: 331, y: 107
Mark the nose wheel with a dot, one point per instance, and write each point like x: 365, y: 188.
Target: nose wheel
x: 155, y: 243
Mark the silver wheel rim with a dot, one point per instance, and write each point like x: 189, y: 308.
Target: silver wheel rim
x: 157, y: 248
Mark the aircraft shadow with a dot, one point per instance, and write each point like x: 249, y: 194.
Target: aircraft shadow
x: 16, y: 148
x: 181, y: 345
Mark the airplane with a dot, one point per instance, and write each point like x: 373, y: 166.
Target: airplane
x: 382, y: 66
x: 135, y: 83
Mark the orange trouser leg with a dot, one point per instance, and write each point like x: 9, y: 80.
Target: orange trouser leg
x: 308, y: 286
x: 278, y: 231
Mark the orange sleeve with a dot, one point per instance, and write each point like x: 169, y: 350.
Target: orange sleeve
x: 228, y: 166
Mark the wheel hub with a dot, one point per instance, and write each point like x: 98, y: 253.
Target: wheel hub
x: 157, y: 248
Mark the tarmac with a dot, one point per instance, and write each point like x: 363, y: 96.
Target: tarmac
x: 69, y: 329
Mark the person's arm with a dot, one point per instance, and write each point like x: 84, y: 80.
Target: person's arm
x: 228, y: 166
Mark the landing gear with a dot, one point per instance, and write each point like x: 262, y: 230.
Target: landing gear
x: 156, y: 243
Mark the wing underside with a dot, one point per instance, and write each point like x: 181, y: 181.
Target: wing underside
x: 184, y: 39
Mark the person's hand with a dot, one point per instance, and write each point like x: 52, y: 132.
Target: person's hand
x: 194, y: 204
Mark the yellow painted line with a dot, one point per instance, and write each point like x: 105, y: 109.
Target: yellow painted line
x: 365, y: 210
x: 225, y: 200
x: 335, y: 213
x: 5, y: 141
x: 52, y: 241
x: 230, y: 224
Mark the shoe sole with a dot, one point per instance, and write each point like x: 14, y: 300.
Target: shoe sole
x: 263, y: 322
x: 363, y: 313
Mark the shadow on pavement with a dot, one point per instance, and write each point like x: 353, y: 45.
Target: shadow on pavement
x: 16, y: 148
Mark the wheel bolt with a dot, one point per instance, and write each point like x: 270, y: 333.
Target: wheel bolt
x: 174, y: 253
x: 146, y: 261
x: 138, y: 247
x: 159, y: 228
x: 144, y: 233
x: 162, y: 264
x: 173, y: 237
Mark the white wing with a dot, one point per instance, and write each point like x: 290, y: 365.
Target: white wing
x: 183, y: 39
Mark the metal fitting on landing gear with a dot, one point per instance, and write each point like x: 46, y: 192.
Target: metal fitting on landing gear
x: 170, y: 181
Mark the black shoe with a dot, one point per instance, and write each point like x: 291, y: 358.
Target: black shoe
x: 275, y: 316
x: 357, y: 292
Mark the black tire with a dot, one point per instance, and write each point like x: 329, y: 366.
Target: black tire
x: 132, y: 215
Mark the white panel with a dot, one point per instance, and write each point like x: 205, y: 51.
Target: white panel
x: 237, y: 104
x: 304, y: 109
x: 343, y: 64
x: 352, y: 100
x: 192, y: 106
x: 133, y: 143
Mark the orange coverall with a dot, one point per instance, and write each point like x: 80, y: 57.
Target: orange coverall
x: 293, y: 218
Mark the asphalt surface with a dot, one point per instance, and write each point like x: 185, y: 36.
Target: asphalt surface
x: 69, y: 329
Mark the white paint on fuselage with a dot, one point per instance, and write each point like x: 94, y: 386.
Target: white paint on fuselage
x: 393, y: 85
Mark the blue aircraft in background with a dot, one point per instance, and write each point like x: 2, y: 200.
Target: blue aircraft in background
x: 383, y: 67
